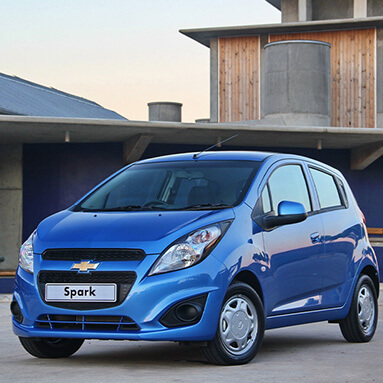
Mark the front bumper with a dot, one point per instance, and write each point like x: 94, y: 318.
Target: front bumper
x: 148, y: 300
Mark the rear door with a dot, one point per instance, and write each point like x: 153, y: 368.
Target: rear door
x: 342, y: 234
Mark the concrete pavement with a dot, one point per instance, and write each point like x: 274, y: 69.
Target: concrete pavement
x: 308, y: 353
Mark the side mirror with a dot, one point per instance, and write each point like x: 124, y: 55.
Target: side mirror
x: 288, y: 212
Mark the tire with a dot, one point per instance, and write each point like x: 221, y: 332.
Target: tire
x: 360, y: 324
x: 51, y: 347
x: 242, y: 310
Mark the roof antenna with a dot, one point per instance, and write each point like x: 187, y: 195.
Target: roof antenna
x: 219, y: 143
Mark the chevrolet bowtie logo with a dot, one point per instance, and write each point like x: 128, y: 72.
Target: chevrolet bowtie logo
x: 85, y: 266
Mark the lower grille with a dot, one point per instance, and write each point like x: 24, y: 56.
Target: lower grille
x: 124, y: 281
x: 86, y: 323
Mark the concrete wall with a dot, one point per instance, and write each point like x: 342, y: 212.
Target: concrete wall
x: 264, y: 40
x: 214, y: 87
x: 379, y: 78
x: 289, y: 9
x: 374, y: 8
x: 11, y: 197
x: 306, y: 10
x: 332, y: 9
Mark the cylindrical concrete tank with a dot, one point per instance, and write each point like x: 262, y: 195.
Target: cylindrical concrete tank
x: 165, y: 111
x: 297, y: 84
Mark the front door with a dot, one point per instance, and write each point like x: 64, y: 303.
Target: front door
x: 294, y: 251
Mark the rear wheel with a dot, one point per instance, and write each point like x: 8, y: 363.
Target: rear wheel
x: 240, y: 329
x: 361, y: 321
x: 51, y: 347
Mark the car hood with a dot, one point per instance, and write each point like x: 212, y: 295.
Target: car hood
x: 146, y: 230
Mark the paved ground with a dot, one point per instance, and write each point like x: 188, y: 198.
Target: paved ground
x: 308, y: 353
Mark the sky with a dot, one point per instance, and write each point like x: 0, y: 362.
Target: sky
x: 121, y: 54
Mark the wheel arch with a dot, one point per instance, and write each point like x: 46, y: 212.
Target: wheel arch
x: 373, y: 274
x: 249, y: 278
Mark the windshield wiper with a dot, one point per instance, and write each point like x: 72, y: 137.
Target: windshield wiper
x: 125, y: 208
x: 206, y: 206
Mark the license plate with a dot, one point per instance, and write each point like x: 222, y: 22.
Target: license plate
x: 80, y: 292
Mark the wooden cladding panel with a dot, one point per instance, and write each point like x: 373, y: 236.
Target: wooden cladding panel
x: 238, y: 79
x: 375, y: 230
x: 7, y: 273
x: 352, y: 74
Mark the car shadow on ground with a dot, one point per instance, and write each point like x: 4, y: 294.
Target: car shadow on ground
x: 168, y: 354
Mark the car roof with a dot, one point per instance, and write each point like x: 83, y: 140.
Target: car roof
x: 236, y: 155
x: 212, y: 156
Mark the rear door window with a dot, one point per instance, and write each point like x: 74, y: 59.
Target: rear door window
x: 327, y: 189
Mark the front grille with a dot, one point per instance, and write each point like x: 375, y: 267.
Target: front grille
x: 94, y: 254
x: 86, y: 323
x: 123, y: 279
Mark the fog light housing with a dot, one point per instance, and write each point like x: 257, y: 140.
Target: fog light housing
x: 185, y: 313
x: 188, y: 312
x: 16, y: 312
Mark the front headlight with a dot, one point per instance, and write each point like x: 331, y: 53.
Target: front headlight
x: 26, y: 254
x: 189, y: 250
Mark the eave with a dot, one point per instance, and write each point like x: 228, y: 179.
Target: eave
x: 365, y: 143
x: 204, y: 35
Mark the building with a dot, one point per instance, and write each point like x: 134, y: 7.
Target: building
x: 281, y: 77
x: 321, y: 96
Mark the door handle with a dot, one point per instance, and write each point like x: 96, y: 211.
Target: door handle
x: 315, y: 238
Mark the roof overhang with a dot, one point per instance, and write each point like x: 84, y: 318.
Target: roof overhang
x: 21, y: 129
x: 364, y: 142
x: 204, y: 35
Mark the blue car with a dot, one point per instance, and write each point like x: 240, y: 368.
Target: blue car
x: 211, y: 248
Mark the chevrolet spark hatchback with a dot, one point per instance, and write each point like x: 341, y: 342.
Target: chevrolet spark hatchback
x: 211, y: 248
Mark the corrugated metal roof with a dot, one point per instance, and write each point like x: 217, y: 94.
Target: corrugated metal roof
x: 22, y: 97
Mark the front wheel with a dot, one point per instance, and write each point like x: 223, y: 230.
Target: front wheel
x: 361, y: 321
x: 51, y: 347
x: 240, y: 329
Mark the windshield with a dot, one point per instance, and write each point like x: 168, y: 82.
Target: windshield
x: 174, y: 186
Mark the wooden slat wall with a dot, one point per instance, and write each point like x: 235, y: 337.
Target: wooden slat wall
x: 375, y: 230
x: 238, y: 79
x: 352, y: 72
x: 7, y: 273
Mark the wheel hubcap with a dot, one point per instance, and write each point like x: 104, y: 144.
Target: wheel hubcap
x: 366, y: 309
x: 238, y: 324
